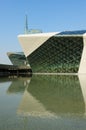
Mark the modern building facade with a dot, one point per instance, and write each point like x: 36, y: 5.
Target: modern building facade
x: 63, y: 52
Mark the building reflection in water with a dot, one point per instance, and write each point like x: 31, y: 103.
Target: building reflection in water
x: 82, y: 79
x: 18, y: 85
x: 43, y: 102
x: 51, y: 95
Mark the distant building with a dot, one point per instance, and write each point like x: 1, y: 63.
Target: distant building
x: 17, y: 58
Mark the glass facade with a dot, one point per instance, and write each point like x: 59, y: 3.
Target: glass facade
x: 78, y: 32
x: 59, y: 54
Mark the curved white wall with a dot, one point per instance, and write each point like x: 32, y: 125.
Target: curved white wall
x: 82, y: 68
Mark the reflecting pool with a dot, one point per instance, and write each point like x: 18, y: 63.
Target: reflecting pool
x: 43, y: 102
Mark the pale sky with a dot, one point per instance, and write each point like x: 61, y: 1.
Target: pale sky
x: 47, y: 15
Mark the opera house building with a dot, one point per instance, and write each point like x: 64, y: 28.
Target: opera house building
x: 63, y: 52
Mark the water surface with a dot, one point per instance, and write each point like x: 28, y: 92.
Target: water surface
x: 43, y: 102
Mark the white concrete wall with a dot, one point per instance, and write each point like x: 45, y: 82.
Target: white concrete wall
x: 82, y: 67
x: 31, y: 42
